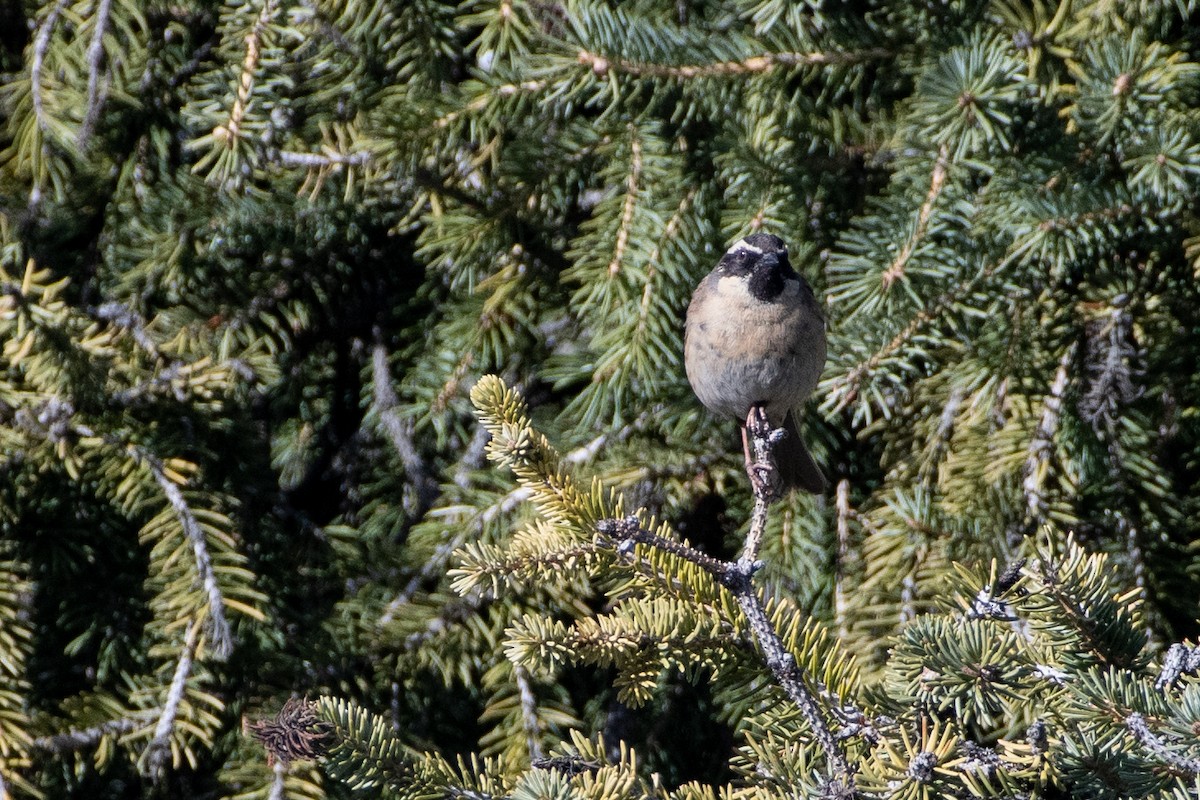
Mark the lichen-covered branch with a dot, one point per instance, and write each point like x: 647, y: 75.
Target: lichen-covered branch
x: 737, y: 578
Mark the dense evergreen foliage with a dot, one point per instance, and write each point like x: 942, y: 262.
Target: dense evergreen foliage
x: 256, y: 258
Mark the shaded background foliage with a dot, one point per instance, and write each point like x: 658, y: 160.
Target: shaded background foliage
x: 255, y: 254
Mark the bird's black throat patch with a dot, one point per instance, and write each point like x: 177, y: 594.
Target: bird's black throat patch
x: 766, y: 282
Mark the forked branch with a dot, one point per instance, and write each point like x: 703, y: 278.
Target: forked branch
x: 737, y: 577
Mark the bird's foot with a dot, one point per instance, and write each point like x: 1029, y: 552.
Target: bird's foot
x: 764, y: 477
x: 764, y: 480
x: 757, y: 423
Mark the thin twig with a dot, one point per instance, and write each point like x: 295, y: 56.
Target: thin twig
x: 437, y: 562
x: 159, y: 748
x: 621, y: 532
x: 451, y: 613
x: 95, y: 54
x: 399, y: 433
x: 464, y: 532
x: 41, y: 43
x: 72, y: 741
x: 529, y: 720
x: 1180, y: 660
x: 123, y: 317
x: 222, y: 637
x: 840, y: 606
x: 291, y: 158
x: 737, y: 578
x: 1136, y: 724
x: 632, y: 190
x: 278, y: 783
x: 787, y: 672
x: 1041, y: 445
x: 602, y: 65
x: 763, y: 440
x: 937, y: 181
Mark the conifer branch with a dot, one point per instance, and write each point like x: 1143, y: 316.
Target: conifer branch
x: 95, y: 54
x: 985, y: 604
x: 786, y: 671
x: 188, y: 70
x: 1180, y: 660
x: 840, y: 606
x: 125, y: 318
x: 451, y: 613
x: 436, y: 563
x: 56, y: 422
x: 652, y: 262
x: 1110, y: 360
x: 1136, y: 723
x: 441, y: 555
x: 618, y: 533
x: 159, y: 748
x: 529, y: 717
x: 737, y: 578
x: 1042, y: 444
x: 41, y: 44
x: 73, y: 741
x: 853, y: 379
x: 631, y: 197
x: 937, y: 180
x: 1088, y: 217
x: 602, y: 65
x: 230, y: 131
x: 222, y: 637
x: 481, y: 102
x: 324, y: 160
x: 450, y: 388
x: 399, y: 432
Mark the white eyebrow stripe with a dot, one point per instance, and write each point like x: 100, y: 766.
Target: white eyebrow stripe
x: 741, y: 245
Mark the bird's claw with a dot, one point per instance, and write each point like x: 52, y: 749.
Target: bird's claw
x: 764, y: 477
x: 757, y: 422
x: 764, y: 480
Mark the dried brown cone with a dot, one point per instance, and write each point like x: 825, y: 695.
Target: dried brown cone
x: 295, y: 734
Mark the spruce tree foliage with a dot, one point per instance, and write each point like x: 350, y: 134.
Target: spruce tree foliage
x: 257, y: 257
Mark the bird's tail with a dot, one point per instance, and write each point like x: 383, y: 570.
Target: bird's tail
x: 796, y: 466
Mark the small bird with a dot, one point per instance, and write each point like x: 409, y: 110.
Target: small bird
x: 755, y: 341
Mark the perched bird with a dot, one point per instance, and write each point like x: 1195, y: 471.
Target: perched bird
x: 755, y: 338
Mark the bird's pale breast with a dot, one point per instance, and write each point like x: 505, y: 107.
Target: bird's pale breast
x: 739, y: 351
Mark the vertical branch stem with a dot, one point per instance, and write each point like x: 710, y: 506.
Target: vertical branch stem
x: 840, y: 606
x: 159, y: 749
x: 95, y: 55
x: 529, y: 704
x: 762, y: 440
x: 784, y: 667
x: 737, y: 578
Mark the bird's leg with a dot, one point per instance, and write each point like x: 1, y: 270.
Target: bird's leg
x: 746, y: 445
x: 764, y: 479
